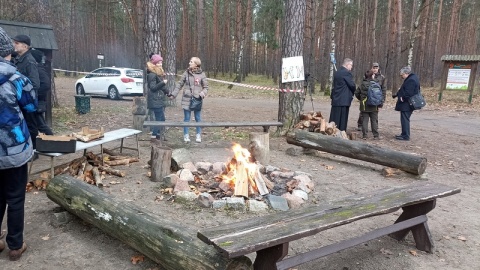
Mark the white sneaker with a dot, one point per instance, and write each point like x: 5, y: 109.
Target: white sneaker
x: 186, y: 138
x: 198, y: 138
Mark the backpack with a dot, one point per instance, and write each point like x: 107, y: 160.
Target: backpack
x: 374, y: 94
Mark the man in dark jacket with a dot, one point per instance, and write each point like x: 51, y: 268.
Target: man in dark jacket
x: 410, y: 87
x: 27, y: 65
x: 45, y: 87
x: 342, y: 94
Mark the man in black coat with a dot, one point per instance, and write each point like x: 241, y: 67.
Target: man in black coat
x: 409, y: 88
x: 342, y: 94
x: 43, y: 90
x: 27, y: 65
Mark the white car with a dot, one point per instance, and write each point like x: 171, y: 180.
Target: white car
x: 112, y: 82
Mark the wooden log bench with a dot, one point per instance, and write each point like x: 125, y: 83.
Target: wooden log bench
x: 265, y: 125
x: 270, y: 235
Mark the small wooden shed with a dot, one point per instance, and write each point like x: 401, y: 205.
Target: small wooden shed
x: 42, y: 38
x: 459, y: 73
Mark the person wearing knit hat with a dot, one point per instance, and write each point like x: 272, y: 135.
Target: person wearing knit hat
x: 157, y: 91
x: 17, y: 148
x: 6, y: 45
x: 156, y: 58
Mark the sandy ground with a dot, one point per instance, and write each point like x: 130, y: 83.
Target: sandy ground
x: 446, y: 137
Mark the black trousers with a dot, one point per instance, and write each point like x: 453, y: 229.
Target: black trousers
x: 373, y: 116
x: 339, y: 115
x: 12, y: 194
x: 405, y: 121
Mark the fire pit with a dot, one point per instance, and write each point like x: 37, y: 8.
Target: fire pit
x: 241, y: 183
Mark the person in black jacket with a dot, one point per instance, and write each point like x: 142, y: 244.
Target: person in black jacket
x: 157, y: 90
x: 45, y: 87
x: 409, y: 88
x: 27, y: 65
x: 342, y: 94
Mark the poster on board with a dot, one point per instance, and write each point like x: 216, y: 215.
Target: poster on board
x: 292, y: 69
x: 458, y: 77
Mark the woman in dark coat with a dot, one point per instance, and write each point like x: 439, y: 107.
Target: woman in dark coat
x: 409, y: 88
x: 156, y: 92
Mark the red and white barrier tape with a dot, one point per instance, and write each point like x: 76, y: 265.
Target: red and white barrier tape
x: 210, y: 79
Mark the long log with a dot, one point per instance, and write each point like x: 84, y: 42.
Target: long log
x: 359, y: 150
x: 169, y: 243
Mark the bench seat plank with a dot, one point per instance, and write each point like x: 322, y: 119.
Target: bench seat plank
x: 210, y: 124
x: 255, y: 234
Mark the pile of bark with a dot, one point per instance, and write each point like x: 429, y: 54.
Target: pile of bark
x: 87, y: 168
x: 314, y: 122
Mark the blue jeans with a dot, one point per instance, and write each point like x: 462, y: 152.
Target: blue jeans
x: 188, y: 114
x: 12, y: 194
x: 159, y: 116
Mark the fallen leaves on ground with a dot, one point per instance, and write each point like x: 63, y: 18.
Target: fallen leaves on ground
x: 462, y: 238
x: 328, y: 167
x: 386, y: 251
x: 414, y: 253
x: 137, y: 258
x: 46, y: 237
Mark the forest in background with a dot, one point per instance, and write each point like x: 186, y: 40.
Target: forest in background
x: 242, y: 37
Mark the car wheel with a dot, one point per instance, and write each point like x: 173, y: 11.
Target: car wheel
x: 80, y: 90
x: 113, y: 92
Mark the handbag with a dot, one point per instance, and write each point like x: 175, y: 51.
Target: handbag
x: 195, y: 104
x: 417, y: 101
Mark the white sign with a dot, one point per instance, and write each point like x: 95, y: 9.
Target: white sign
x: 100, y: 56
x: 292, y: 69
x: 458, y: 78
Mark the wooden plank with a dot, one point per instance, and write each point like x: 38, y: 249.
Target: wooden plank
x: 327, y: 250
x: 210, y: 124
x: 251, y: 235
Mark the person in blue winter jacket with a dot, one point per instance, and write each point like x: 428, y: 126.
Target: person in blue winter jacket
x: 16, y: 94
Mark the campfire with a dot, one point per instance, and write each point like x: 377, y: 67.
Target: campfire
x: 243, y: 174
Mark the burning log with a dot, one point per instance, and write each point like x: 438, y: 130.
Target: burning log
x: 161, y: 158
x: 260, y: 183
x: 358, y: 150
x: 157, y: 237
x: 241, y: 180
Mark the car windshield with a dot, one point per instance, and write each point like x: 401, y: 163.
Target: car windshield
x: 134, y: 73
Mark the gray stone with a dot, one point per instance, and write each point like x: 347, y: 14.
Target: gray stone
x: 293, y: 201
x: 286, y: 174
x: 269, y: 169
x: 190, y: 166
x: 305, y: 183
x: 300, y: 193
x: 185, y: 196
x: 61, y: 218
x: 203, y: 167
x: 236, y: 203
x: 294, y: 151
x: 277, y: 202
x: 257, y: 206
x: 186, y: 175
x: 205, y: 200
x: 224, y: 186
x: 218, y: 167
x: 219, y: 204
x: 170, y: 181
x: 181, y: 155
x: 261, y: 168
x: 296, y: 173
x: 181, y: 185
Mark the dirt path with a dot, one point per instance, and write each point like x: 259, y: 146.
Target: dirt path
x: 448, y: 138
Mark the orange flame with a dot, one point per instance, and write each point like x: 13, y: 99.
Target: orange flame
x: 241, y: 156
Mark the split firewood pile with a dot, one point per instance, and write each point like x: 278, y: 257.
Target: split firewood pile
x: 87, y: 168
x: 314, y: 122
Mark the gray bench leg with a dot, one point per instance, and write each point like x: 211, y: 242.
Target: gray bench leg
x: 421, y: 233
x: 268, y: 258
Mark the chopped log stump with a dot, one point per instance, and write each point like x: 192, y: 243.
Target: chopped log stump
x: 170, y: 244
x: 161, y: 160
x: 259, y: 147
x: 362, y: 151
